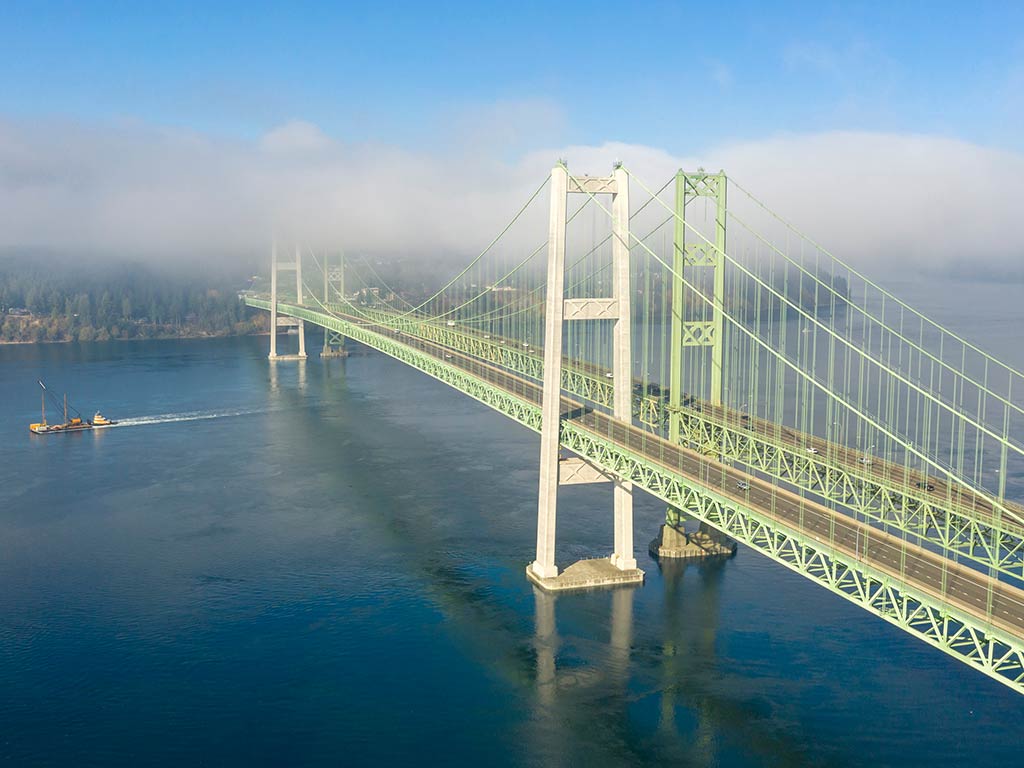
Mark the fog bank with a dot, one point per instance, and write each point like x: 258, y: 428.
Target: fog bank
x: 129, y: 189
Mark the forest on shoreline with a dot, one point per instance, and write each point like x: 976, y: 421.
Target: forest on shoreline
x: 42, y: 300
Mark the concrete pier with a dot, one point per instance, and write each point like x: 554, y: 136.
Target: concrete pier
x: 673, y: 542
x: 586, y: 574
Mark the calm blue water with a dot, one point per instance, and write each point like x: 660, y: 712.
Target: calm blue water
x: 325, y: 565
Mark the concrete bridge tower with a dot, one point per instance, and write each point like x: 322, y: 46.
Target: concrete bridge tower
x: 620, y: 568
x: 275, y: 267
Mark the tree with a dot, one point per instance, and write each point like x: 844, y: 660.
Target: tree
x: 83, y: 307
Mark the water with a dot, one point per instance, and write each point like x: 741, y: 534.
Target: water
x: 323, y: 564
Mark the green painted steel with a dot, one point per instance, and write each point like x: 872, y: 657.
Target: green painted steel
x: 974, y: 638
x: 718, y: 295
x: 915, y: 409
x: 692, y: 333
x: 501, y: 400
x: 966, y: 637
x: 334, y: 285
x: 676, y: 320
x: 677, y: 324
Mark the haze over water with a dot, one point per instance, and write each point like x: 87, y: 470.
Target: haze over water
x: 323, y: 564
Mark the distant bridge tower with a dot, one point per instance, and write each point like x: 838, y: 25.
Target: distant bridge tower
x: 709, y: 331
x: 620, y: 568
x: 296, y: 267
x: 334, y: 292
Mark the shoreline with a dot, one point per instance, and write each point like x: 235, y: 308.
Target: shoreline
x: 137, y: 338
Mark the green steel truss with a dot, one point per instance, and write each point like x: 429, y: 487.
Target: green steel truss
x: 500, y: 400
x: 954, y: 527
x: 941, y: 521
x: 998, y: 654
x: 967, y: 638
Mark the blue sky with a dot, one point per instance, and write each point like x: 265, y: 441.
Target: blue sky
x: 692, y: 74
x: 202, y: 127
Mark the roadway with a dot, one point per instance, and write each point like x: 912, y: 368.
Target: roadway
x: 992, y: 601
x: 936, y: 490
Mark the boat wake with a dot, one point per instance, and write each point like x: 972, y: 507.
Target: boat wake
x: 168, y: 418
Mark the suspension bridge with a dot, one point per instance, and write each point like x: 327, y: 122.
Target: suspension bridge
x: 699, y: 347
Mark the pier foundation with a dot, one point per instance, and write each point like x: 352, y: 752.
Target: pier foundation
x: 674, y: 542
x: 586, y: 574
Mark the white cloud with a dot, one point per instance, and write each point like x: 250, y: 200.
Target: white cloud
x: 132, y: 189
x: 892, y: 200
x: 295, y: 136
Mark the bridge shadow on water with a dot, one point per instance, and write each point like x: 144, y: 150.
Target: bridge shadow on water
x: 586, y: 683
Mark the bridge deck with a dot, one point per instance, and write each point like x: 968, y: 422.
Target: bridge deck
x: 972, y: 616
x: 891, y: 474
x: 1000, y: 604
x: 951, y: 517
x: 934, y: 490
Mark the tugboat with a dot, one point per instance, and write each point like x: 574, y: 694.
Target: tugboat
x: 72, y: 424
x: 99, y: 420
